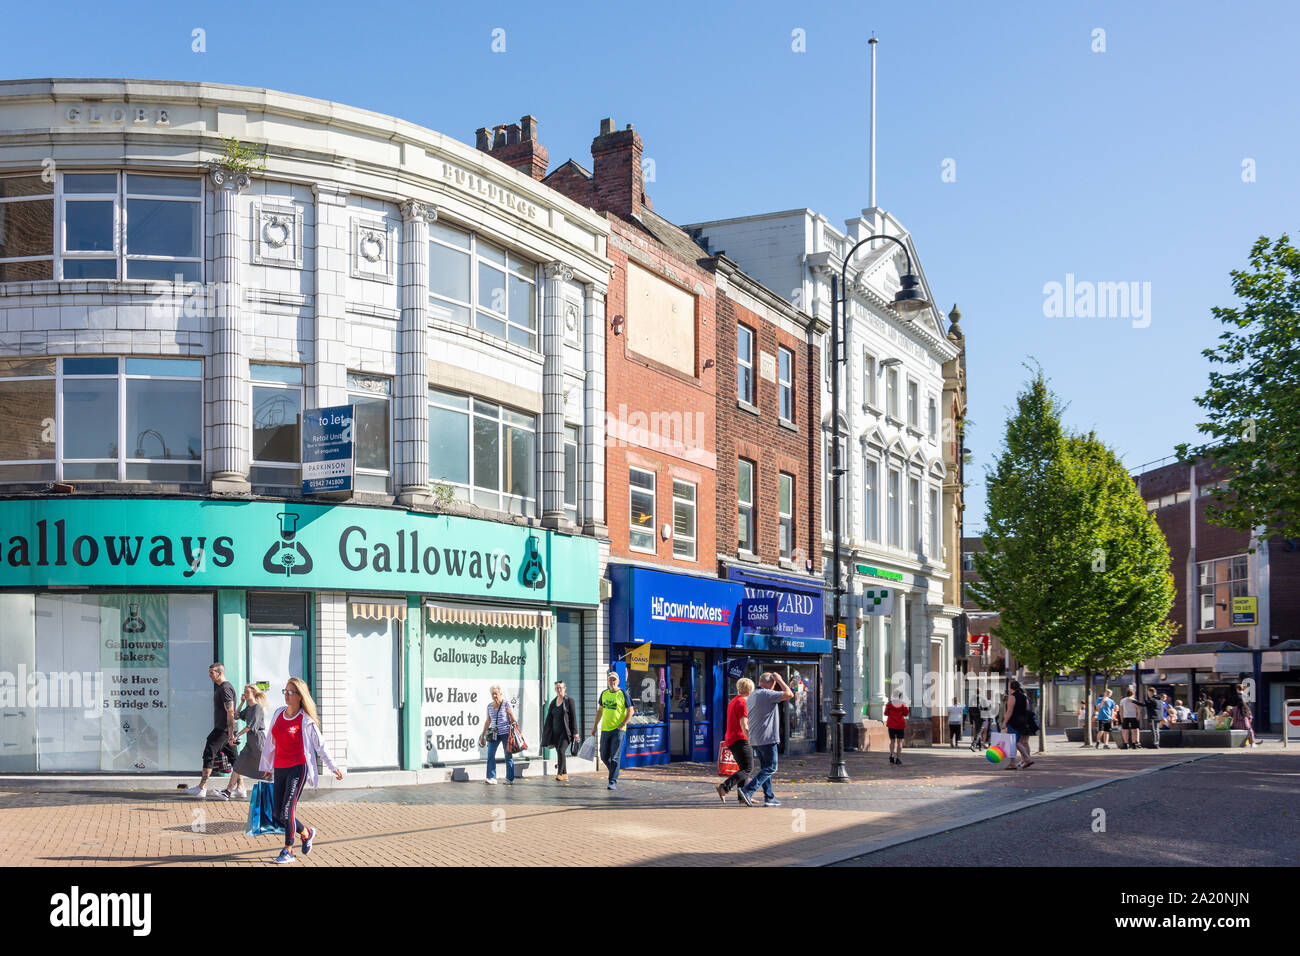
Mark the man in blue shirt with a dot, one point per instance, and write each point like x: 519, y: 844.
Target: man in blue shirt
x: 1105, y: 714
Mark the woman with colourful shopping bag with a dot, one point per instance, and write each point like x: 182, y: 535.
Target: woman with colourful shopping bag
x: 1017, y: 721
x: 289, y: 761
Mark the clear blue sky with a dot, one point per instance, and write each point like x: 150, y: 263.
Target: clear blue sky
x: 1122, y: 166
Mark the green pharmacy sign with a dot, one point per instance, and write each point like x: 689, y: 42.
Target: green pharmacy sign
x: 878, y: 602
x: 110, y: 542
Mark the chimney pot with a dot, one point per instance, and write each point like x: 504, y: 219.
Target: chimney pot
x: 606, y: 126
x: 483, y: 139
x: 528, y: 126
x: 499, y: 137
x: 512, y: 134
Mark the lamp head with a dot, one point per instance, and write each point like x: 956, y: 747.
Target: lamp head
x: 910, y: 298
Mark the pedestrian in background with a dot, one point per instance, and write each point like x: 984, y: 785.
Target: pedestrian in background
x: 1154, y: 716
x: 954, y: 723
x: 764, y: 712
x: 222, y: 737
x: 977, y: 706
x: 1128, y: 718
x: 737, y: 741
x: 1016, y: 720
x: 496, y: 730
x: 559, y: 728
x: 896, y: 723
x: 1205, y: 714
x: 1105, y: 714
x: 613, y: 712
x: 249, y: 763
x: 289, y: 762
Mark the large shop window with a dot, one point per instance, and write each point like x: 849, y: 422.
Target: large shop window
x: 571, y: 661
x: 474, y: 283
x: 374, y: 685
x: 26, y: 229
x: 799, y: 715
x: 277, y: 420
x: 461, y: 663
x: 101, y: 419
x: 127, y: 225
x: 372, y: 398
x: 649, y: 690
x: 486, y: 452
x: 115, y: 681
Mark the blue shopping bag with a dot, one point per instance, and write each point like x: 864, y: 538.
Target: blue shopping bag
x: 261, y: 811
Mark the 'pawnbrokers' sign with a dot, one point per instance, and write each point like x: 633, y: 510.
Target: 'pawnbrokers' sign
x: 328, y: 450
x: 114, y: 542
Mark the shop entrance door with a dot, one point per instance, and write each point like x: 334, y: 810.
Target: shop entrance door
x: 275, y: 655
x: 679, y: 708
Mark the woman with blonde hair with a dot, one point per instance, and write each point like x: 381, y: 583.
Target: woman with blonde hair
x: 249, y: 761
x: 289, y: 761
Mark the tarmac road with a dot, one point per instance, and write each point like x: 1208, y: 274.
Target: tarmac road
x: 1221, y: 811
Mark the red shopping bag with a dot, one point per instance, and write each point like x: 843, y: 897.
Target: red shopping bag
x: 726, y: 763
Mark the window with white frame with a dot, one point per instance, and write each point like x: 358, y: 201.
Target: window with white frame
x: 472, y: 282
x: 101, y: 419
x: 914, y: 513
x: 129, y: 225
x: 641, y: 510
x: 891, y: 392
x: 785, y: 383
x: 1218, y: 582
x: 486, y: 452
x: 745, y: 506
x: 26, y: 228
x: 683, y: 520
x: 895, y: 505
x: 932, y: 418
x: 936, y: 526
x: 277, y: 421
x: 913, y: 403
x: 785, y: 515
x: 745, y: 364
x: 871, y: 498
x: 828, y: 489
x: 372, y: 398
x: 868, y: 378
x: 572, y: 471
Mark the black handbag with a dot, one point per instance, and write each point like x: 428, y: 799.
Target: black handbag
x: 574, y: 746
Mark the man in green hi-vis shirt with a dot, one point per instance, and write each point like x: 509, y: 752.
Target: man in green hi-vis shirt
x: 612, y: 716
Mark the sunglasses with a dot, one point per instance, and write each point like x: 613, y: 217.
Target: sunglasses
x: 290, y: 690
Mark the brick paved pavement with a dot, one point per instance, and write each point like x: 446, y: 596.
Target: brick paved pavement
x: 659, y: 816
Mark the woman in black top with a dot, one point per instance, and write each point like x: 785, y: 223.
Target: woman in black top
x: 1017, y: 722
x: 558, y: 729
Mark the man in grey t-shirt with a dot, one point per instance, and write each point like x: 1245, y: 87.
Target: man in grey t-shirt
x: 765, y: 732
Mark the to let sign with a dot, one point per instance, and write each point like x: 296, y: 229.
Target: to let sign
x: 328, y: 450
x: 1245, y: 610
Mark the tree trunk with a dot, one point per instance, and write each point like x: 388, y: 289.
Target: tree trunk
x: 1087, y: 708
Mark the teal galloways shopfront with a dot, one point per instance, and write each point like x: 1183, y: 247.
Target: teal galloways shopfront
x: 111, y: 610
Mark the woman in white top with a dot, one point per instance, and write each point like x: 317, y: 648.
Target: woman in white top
x: 954, y: 723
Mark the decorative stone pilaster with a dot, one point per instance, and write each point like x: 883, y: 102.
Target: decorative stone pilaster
x: 557, y: 273
x: 593, y: 399
x: 228, y: 370
x: 412, y: 401
x: 329, y: 385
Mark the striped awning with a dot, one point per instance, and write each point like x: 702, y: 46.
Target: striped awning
x: 480, y: 616
x: 379, y: 610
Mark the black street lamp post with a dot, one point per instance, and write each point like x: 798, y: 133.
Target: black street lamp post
x: 909, y: 299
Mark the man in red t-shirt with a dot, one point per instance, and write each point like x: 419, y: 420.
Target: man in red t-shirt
x: 737, y: 741
x: 896, y: 722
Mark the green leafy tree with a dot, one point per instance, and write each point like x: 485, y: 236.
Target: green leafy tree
x: 1253, y: 400
x: 1033, y: 538
x: 1123, y: 601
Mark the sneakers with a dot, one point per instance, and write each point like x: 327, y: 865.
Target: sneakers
x: 196, y: 791
x: 307, y: 838
x: 745, y: 797
x: 612, y: 786
x: 561, y: 776
x: 722, y: 793
x: 223, y: 794
x: 286, y: 856
x: 772, y: 803
x: 238, y: 794
x: 491, y: 781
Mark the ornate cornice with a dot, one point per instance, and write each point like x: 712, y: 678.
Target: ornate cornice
x: 414, y: 210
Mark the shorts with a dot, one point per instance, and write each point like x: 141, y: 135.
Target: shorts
x: 1103, y: 726
x: 896, y: 733
x: 1129, y: 723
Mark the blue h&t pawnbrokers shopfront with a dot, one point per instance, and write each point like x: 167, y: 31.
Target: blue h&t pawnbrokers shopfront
x: 679, y: 644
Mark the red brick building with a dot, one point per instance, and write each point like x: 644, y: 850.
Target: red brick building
x: 1213, y: 565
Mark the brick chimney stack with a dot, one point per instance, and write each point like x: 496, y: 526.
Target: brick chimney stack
x: 617, y: 181
x: 516, y: 145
